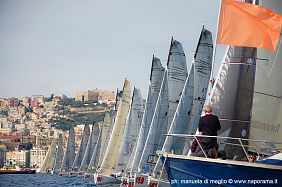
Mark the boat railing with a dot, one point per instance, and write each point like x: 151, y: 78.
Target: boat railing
x: 242, y: 142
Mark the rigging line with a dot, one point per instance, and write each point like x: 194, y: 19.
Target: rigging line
x: 275, y: 59
x: 279, y: 97
x: 214, y: 54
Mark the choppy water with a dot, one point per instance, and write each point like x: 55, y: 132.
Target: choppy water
x: 43, y: 180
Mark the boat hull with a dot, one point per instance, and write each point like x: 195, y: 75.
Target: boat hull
x: 17, y: 172
x: 105, y: 180
x: 188, y: 170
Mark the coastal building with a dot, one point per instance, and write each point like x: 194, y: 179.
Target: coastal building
x: 95, y: 95
x: 10, y: 102
x: 15, y: 158
x: 37, y: 156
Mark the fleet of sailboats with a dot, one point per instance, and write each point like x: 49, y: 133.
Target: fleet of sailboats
x: 138, y: 146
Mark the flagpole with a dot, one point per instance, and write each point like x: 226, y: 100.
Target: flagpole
x: 214, y: 54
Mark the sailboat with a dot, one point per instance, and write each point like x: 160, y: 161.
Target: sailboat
x: 192, y: 98
x: 104, y: 172
x: 106, y: 131
x: 93, y: 164
x: 196, y: 168
x: 59, y: 155
x: 91, y: 144
x: 82, y: 147
x: 131, y: 130
x: 172, y: 85
x: 49, y: 160
x: 156, y: 77
x: 69, y: 154
x: 232, y: 100
x: 107, y: 127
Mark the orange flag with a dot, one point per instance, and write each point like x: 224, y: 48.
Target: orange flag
x: 244, y: 24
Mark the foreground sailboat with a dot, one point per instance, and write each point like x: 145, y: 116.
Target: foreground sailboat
x: 231, y: 98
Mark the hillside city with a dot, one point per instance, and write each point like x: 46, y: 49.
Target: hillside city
x: 29, y: 124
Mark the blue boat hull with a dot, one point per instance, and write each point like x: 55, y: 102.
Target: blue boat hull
x: 196, y: 171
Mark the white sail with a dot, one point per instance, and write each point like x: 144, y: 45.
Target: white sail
x: 131, y: 130
x: 82, y: 148
x: 203, y: 65
x: 69, y: 151
x: 181, y: 118
x: 96, y: 152
x: 49, y: 159
x: 172, y: 86
x: 59, y: 155
x: 109, y: 130
x: 92, y: 141
x: 267, y: 102
x: 193, y: 96
x: 118, y: 129
x: 232, y: 96
x: 156, y: 77
x: 105, y: 129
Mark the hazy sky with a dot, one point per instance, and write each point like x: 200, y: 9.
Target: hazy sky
x: 64, y: 46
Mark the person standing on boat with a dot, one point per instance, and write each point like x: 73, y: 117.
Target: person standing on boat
x: 208, y: 125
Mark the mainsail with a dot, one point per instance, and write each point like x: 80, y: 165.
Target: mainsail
x: 181, y: 118
x: 69, y: 151
x: 82, y: 148
x: 96, y: 152
x: 267, y: 102
x: 172, y: 86
x: 92, y: 141
x: 202, y: 72
x: 156, y: 77
x: 193, y: 96
x: 109, y: 130
x: 49, y: 160
x: 116, y: 137
x: 232, y: 96
x: 59, y: 154
x: 105, y: 129
x: 131, y: 130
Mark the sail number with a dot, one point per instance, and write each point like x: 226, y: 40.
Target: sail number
x: 153, y: 184
x: 131, y: 184
x: 140, y: 180
x: 124, y: 182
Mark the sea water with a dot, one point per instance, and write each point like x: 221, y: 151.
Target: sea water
x: 44, y: 180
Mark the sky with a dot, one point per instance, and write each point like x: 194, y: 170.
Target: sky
x: 65, y: 46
